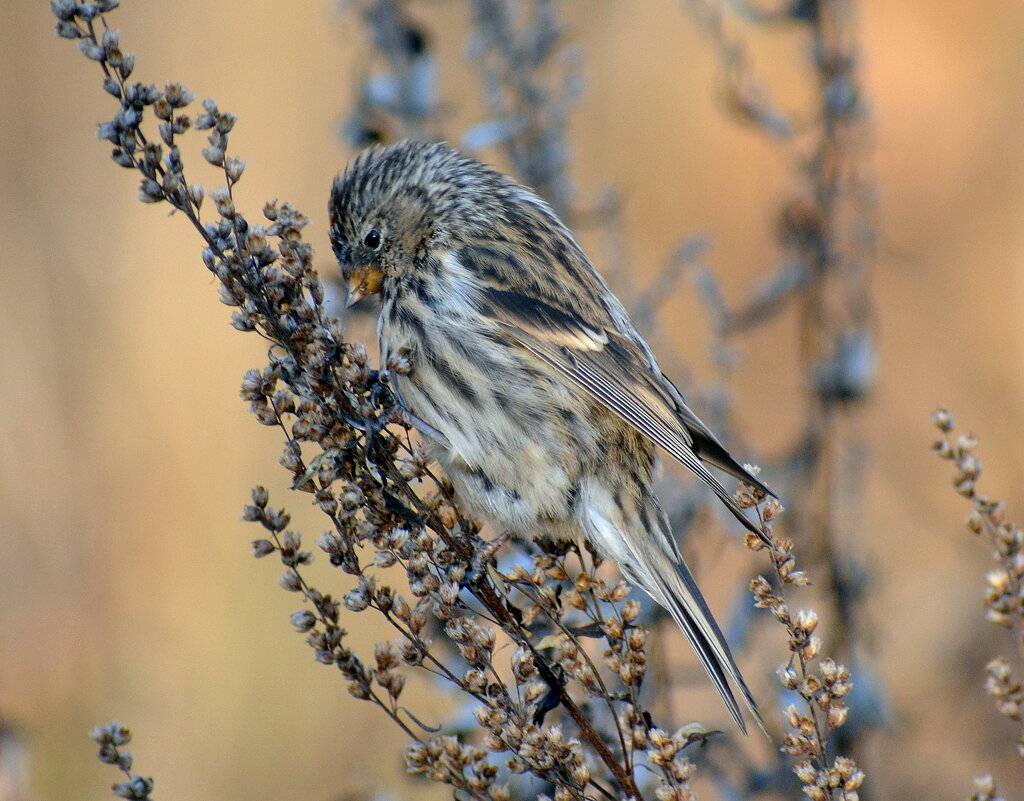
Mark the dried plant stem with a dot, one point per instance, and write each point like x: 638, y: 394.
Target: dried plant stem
x: 1005, y: 591
x: 346, y: 445
x: 826, y: 229
x: 821, y: 683
x: 514, y: 42
x: 828, y: 259
x: 485, y: 592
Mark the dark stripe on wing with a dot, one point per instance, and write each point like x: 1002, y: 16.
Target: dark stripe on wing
x: 542, y: 316
x: 582, y: 368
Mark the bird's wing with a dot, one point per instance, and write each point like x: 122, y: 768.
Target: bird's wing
x: 605, y: 363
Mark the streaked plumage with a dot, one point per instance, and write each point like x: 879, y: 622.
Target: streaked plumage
x: 549, y: 402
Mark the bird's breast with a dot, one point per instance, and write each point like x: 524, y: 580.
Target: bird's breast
x: 518, y: 437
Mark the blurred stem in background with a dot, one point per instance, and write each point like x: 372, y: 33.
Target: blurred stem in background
x: 529, y: 115
x: 397, y: 90
x: 827, y: 232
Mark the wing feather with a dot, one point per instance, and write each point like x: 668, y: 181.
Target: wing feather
x: 598, y: 358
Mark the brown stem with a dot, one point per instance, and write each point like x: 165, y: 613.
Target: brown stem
x: 487, y: 595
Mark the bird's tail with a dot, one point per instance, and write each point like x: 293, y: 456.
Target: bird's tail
x: 658, y: 568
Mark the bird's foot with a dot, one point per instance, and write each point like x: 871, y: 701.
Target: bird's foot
x: 483, y: 557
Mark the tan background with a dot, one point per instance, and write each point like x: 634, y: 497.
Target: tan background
x: 126, y: 588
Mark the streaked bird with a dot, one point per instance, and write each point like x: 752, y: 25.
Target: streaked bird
x: 535, y: 392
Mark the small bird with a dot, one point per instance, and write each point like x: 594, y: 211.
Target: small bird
x: 533, y: 388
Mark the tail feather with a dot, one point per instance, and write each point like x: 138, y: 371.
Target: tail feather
x: 667, y: 579
x: 690, y: 611
x: 637, y: 535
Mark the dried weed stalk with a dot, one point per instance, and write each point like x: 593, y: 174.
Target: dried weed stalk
x: 826, y: 231
x: 547, y: 649
x: 819, y: 682
x: 111, y: 739
x: 397, y: 95
x: 529, y: 109
x: 1004, y: 595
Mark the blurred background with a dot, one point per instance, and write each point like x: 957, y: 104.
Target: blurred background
x: 126, y: 586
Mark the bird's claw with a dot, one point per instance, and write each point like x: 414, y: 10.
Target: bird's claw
x: 483, y: 556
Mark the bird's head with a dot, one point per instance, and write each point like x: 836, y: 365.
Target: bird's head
x: 397, y: 204
x: 394, y: 203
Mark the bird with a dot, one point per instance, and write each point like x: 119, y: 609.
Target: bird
x: 533, y: 388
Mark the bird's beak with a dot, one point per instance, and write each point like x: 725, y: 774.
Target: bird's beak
x: 363, y: 280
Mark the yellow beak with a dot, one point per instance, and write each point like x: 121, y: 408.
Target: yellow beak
x: 364, y: 280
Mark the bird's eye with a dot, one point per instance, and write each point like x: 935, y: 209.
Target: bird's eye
x: 372, y: 239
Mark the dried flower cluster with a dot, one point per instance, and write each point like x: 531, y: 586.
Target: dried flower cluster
x: 547, y: 650
x: 986, y: 790
x: 1004, y: 594
x: 819, y: 682
x: 111, y: 739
